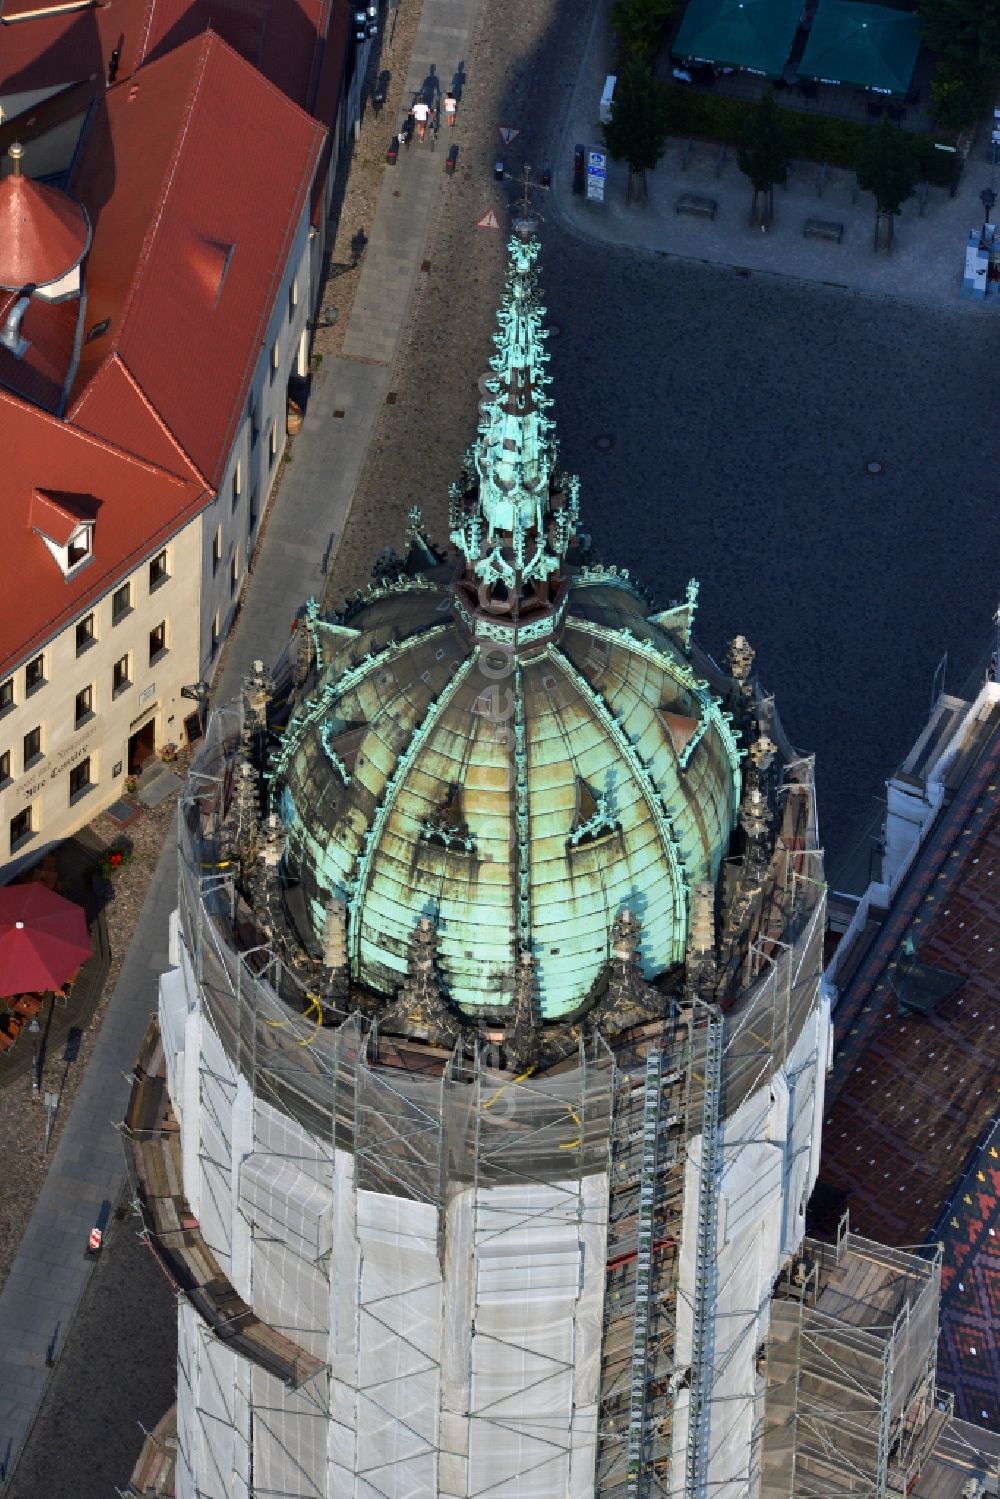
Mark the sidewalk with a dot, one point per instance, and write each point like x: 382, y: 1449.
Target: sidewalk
x: 317, y: 487
x: 926, y: 263
x: 48, y: 1277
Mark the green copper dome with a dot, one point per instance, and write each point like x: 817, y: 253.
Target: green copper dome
x: 510, y: 745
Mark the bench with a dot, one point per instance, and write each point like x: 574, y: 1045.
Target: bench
x: 695, y: 203
x: 823, y: 229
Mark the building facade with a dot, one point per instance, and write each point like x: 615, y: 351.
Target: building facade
x: 152, y: 322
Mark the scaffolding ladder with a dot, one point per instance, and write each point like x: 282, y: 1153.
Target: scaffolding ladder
x: 643, y: 1273
x: 705, y: 1270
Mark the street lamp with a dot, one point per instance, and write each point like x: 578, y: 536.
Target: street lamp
x: 987, y: 197
x: 51, y: 1102
x: 34, y: 1031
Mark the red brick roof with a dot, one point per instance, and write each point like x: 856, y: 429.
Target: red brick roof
x: 171, y: 186
x: 56, y: 50
x: 12, y: 10
x: 57, y: 515
x: 283, y: 39
x: 911, y: 1094
x: 43, y: 233
x: 136, y: 505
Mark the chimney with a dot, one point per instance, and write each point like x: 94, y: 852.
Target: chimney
x: 10, y: 333
x: 16, y: 152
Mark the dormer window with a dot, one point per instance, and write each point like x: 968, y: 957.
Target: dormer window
x: 65, y: 523
x: 80, y: 546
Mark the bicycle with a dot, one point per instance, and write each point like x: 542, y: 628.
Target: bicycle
x: 433, y: 123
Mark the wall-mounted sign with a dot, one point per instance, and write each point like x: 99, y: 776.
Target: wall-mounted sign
x: 146, y: 714
x: 597, y: 171
x: 51, y: 768
x: 147, y: 693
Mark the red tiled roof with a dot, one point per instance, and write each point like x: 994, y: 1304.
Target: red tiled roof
x: 170, y: 186
x: 11, y: 10
x: 116, y: 404
x: 39, y: 375
x: 969, y: 1346
x: 283, y: 39
x: 911, y: 1094
x: 52, y: 52
x: 57, y: 514
x: 137, y: 506
x: 43, y: 233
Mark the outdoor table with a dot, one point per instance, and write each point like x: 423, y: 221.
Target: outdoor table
x: 27, y: 1005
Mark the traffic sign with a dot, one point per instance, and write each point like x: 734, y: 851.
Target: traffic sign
x: 489, y: 220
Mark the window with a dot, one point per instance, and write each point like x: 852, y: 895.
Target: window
x: 254, y: 422
x: 34, y: 675
x: 121, y: 603
x: 84, y: 705
x: 216, y: 632
x: 216, y: 550
x: 237, y: 485
x: 85, y: 633
x: 157, y: 641
x: 158, y: 570
x: 275, y: 360
x: 4, y: 766
x: 79, y: 778
x: 234, y: 572
x: 98, y: 329
x: 272, y: 445
x: 120, y: 675
x: 293, y: 297
x: 20, y: 827
x: 32, y: 745
x: 79, y: 547
x: 252, y: 514
x: 6, y: 695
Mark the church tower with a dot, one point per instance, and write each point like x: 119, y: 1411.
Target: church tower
x: 492, y: 1055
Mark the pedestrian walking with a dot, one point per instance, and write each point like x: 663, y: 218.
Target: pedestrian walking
x: 450, y: 107
x: 421, y: 113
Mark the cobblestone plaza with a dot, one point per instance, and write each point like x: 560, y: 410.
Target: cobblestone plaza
x: 742, y: 411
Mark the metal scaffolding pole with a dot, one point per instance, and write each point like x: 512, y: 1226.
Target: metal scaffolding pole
x: 643, y: 1272
x: 705, y: 1271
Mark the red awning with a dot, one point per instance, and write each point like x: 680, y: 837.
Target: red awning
x: 43, y: 939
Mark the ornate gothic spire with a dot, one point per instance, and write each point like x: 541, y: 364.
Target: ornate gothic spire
x: 512, y: 516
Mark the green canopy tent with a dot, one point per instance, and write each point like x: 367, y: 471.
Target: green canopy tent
x: 755, y: 35
x: 870, y: 46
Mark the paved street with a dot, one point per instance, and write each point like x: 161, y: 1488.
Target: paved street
x: 116, y: 1371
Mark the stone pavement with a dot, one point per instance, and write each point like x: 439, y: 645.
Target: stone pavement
x: 46, y: 1281
x: 926, y: 263
x: 45, y: 1284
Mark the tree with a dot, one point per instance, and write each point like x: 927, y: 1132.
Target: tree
x: 764, y: 157
x: 640, y: 124
x: 964, y: 32
x: 640, y: 23
x: 888, y: 167
x: 960, y: 95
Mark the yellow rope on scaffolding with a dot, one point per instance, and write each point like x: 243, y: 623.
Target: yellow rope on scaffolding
x: 567, y: 1144
x: 313, y: 1008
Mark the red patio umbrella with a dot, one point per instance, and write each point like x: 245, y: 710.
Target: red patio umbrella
x: 43, y: 939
